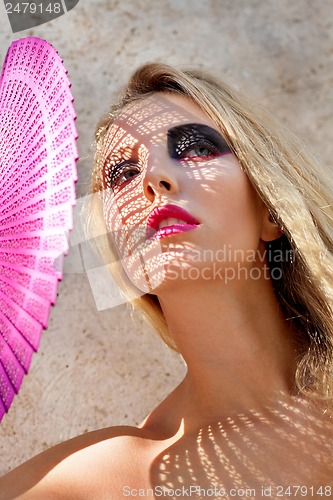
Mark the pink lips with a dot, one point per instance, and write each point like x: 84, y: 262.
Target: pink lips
x: 161, y: 213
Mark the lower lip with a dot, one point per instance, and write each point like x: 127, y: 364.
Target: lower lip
x: 174, y: 229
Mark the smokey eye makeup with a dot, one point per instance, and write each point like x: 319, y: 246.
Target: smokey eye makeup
x: 117, y: 174
x: 195, y: 141
x: 122, y: 165
x: 190, y: 141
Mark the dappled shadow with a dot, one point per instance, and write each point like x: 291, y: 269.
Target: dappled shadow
x: 286, y: 445
x: 157, y: 136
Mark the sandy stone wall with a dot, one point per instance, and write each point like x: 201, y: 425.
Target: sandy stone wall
x: 101, y: 368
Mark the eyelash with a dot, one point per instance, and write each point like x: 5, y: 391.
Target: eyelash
x: 119, y: 170
x: 127, y: 166
x: 199, y: 144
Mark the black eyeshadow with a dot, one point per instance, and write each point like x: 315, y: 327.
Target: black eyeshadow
x: 182, y: 137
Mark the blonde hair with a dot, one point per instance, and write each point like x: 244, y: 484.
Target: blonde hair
x: 297, y: 192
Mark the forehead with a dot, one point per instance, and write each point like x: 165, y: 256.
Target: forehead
x: 148, y: 120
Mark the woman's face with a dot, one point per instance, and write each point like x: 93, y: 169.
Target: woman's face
x: 164, y: 155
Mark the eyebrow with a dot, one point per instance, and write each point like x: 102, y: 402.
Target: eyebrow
x: 188, y: 133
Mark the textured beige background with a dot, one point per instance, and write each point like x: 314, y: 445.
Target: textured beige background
x: 98, y: 369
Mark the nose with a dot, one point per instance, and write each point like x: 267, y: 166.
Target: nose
x: 159, y: 180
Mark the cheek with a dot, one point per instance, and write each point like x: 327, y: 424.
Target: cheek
x: 234, y: 208
x: 246, y: 202
x: 114, y: 225
x: 246, y: 215
x: 125, y: 216
x: 111, y: 213
x: 142, y: 264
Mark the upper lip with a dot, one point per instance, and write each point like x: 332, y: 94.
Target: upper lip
x: 166, y: 211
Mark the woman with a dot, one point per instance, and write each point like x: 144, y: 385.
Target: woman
x: 219, y: 228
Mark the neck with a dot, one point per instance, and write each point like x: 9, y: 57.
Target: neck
x: 236, y: 342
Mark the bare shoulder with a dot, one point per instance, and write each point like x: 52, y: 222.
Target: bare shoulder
x: 97, y: 464
x: 92, y: 465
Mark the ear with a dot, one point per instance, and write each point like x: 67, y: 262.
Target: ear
x: 270, y: 229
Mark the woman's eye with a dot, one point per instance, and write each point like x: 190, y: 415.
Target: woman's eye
x: 198, y: 152
x: 195, y: 141
x: 127, y: 174
x: 122, y: 173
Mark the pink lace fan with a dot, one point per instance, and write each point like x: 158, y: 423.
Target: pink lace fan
x: 37, y: 194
